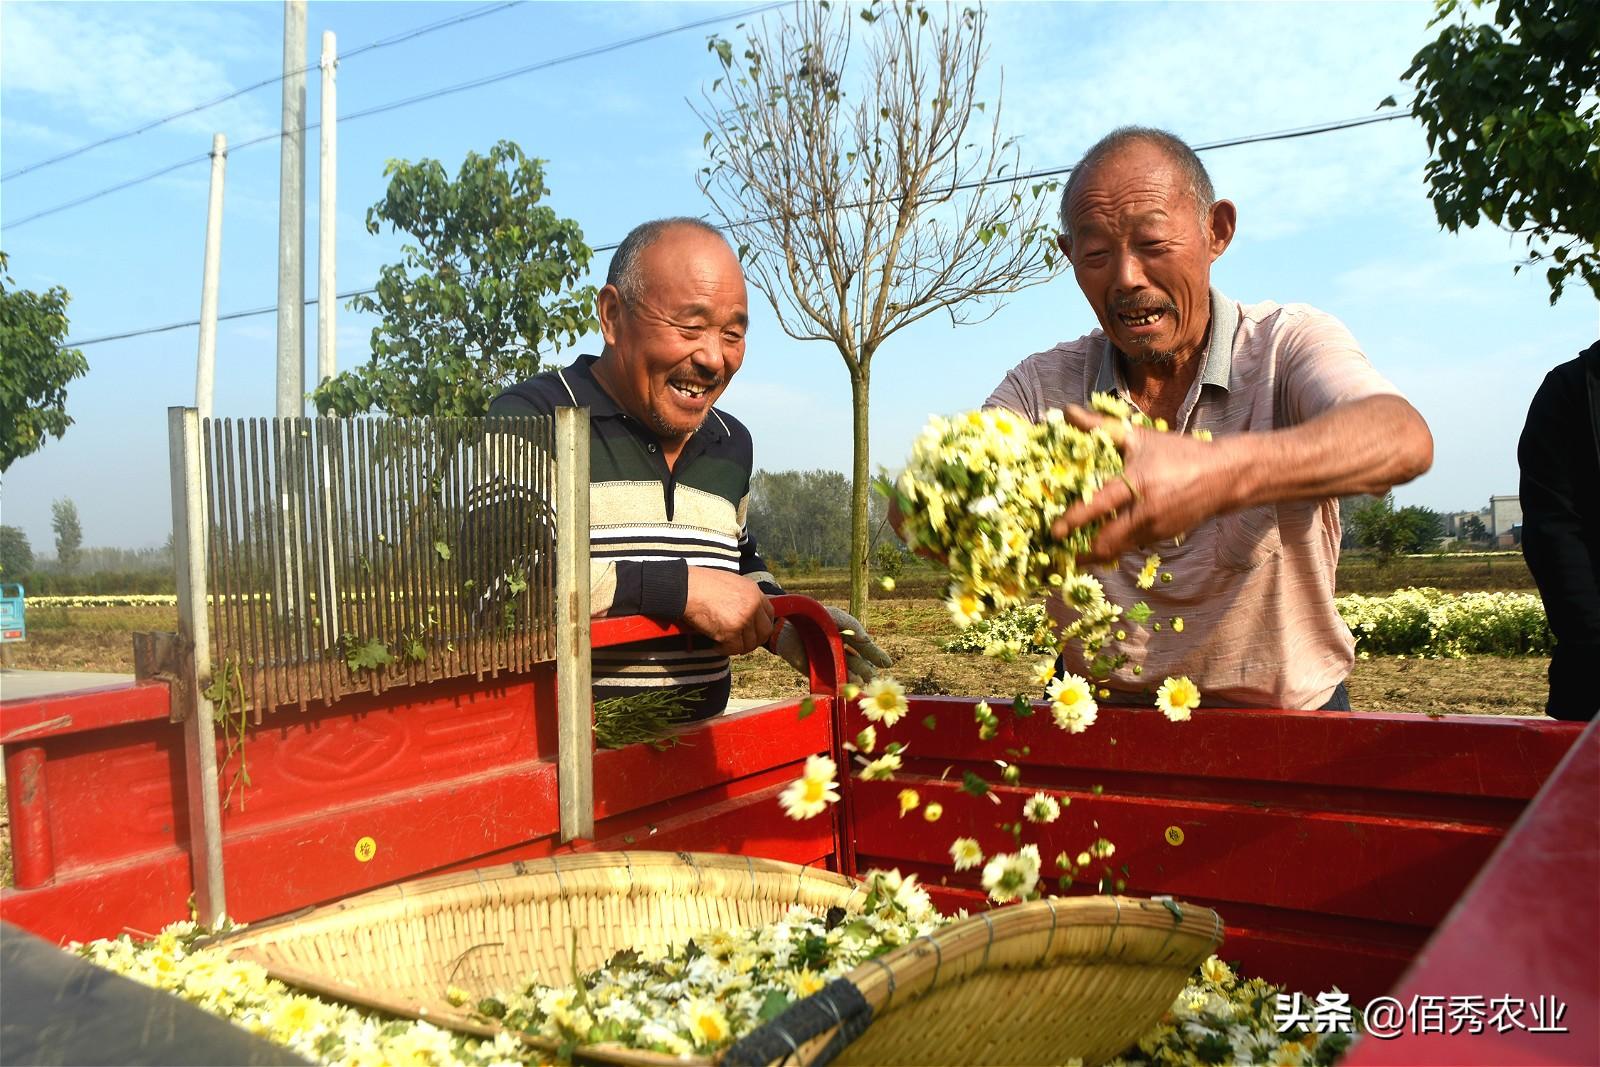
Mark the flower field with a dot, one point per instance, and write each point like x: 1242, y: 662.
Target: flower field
x: 1428, y: 622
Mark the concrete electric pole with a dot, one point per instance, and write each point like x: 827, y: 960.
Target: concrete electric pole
x: 292, y: 217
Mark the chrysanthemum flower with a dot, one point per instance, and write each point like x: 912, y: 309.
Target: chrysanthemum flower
x: 1012, y: 877
x: 810, y: 795
x: 887, y: 583
x: 884, y: 700
x: 933, y: 811
x: 966, y: 854
x: 1044, y: 671
x: 1072, y: 704
x: 881, y: 769
x: 1103, y: 849
x: 1177, y: 697
x: 1216, y: 971
x: 867, y: 739
x: 1041, y: 808
x: 909, y: 799
x: 965, y: 607
x: 708, y: 1026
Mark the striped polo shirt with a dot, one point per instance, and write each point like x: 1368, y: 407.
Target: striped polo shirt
x: 648, y: 524
x: 1254, y: 587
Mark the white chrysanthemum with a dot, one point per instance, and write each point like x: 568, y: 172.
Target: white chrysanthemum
x: 1044, y: 671
x: 1177, y: 697
x: 1147, y: 573
x: 810, y: 795
x: 881, y: 769
x: 1010, y: 877
x: 1041, y: 808
x: 707, y: 1024
x: 1072, y: 703
x: 884, y: 700
x: 966, y: 853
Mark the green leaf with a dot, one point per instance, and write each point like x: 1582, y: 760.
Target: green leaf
x: 807, y: 707
x: 971, y: 783
x: 773, y: 1005
x: 442, y: 548
x: 1139, y: 613
x: 930, y: 722
x: 369, y: 655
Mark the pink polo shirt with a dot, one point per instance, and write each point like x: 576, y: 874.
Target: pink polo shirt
x: 1254, y: 587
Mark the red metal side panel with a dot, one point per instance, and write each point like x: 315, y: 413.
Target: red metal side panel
x: 376, y: 790
x: 1330, y: 844
x: 1526, y: 933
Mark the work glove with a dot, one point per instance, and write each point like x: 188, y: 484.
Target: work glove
x: 862, y: 656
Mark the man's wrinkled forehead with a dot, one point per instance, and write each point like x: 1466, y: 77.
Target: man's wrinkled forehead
x: 1138, y: 174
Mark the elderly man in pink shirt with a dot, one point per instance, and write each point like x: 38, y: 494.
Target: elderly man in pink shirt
x: 1247, y: 524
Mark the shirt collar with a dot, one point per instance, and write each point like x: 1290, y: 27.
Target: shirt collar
x: 588, y: 392
x: 1217, y: 369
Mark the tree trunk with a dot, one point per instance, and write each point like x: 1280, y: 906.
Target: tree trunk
x: 859, y: 488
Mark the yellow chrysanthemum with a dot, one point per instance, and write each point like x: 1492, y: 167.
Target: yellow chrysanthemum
x: 909, y: 799
x: 810, y: 795
x: 933, y: 811
x: 1216, y: 971
x: 708, y: 1026
x: 1044, y: 671
x: 1177, y: 697
x: 965, y: 607
x: 1147, y: 574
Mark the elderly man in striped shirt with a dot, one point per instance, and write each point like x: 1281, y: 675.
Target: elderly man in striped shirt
x: 1248, y: 523
x: 670, y: 472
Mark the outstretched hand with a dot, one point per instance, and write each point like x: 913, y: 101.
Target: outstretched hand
x: 1170, y: 484
x: 862, y: 656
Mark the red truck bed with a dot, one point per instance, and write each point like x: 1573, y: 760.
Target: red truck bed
x: 1333, y: 844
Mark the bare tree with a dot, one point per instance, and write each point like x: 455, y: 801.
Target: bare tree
x: 860, y: 213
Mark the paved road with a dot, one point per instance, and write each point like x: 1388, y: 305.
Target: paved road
x: 27, y: 685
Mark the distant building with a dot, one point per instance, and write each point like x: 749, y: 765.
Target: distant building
x: 1504, y: 513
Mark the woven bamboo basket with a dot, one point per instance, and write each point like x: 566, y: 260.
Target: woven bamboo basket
x: 498, y: 928
x: 1039, y: 983
x: 1043, y: 982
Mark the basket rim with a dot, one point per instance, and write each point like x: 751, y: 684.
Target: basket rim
x: 955, y: 942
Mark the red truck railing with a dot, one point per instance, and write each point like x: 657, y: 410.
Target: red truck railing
x: 1333, y: 844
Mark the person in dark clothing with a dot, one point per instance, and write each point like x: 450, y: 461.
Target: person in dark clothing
x: 1559, y: 454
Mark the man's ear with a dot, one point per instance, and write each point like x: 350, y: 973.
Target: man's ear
x: 1064, y: 243
x: 1224, y: 221
x: 609, y: 308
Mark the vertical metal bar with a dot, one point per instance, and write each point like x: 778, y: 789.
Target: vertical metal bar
x: 236, y: 588
x: 199, y: 731
x: 476, y: 620
x: 575, y: 754
x: 460, y: 621
x: 28, y: 805
x: 547, y: 537
x: 259, y: 505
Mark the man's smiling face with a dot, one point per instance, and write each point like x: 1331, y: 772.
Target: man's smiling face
x: 672, y: 350
x: 1141, y: 250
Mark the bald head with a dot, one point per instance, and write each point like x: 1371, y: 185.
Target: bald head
x: 1192, y: 172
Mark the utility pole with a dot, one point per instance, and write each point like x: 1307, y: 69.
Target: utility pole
x: 206, y: 360
x: 327, y: 188
x: 292, y: 217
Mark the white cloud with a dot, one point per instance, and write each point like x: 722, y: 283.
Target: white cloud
x: 80, y: 56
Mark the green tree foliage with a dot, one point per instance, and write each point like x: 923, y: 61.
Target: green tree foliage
x: 34, y: 367
x: 801, y: 519
x: 69, y: 534
x: 490, y: 282
x: 1513, y: 122
x: 16, y: 555
x: 1473, y: 530
x: 1386, y: 531
x: 867, y: 191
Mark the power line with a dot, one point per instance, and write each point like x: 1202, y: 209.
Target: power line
x: 371, y: 46
x: 1047, y: 172
x: 393, y: 105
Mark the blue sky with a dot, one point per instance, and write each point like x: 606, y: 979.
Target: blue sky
x: 1338, y: 220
